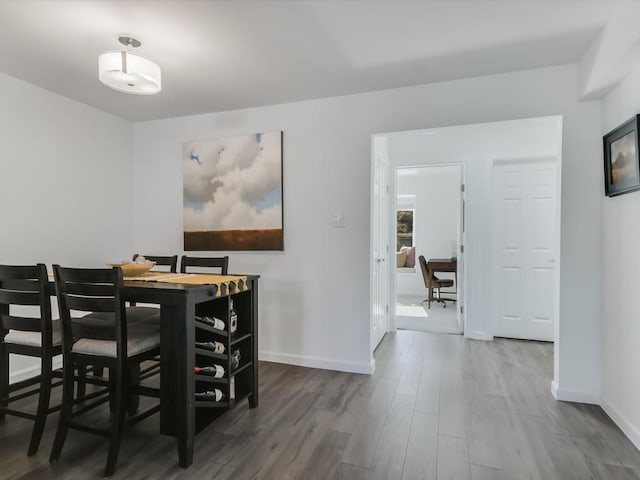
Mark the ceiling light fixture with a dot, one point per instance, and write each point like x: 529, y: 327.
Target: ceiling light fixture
x: 129, y: 73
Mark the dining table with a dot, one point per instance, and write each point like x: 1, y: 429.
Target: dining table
x: 178, y: 303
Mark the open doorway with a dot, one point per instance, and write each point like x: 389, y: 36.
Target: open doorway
x: 428, y: 218
x: 510, y: 205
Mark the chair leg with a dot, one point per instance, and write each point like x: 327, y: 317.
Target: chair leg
x: 43, y: 404
x: 112, y: 390
x: 82, y: 386
x: 66, y: 411
x: 134, y: 380
x: 120, y: 403
x: 4, y: 378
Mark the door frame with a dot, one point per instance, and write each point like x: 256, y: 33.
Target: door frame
x: 461, y: 286
x: 557, y: 161
x: 470, y: 217
x: 390, y: 317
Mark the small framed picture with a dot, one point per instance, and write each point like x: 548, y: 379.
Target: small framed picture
x: 621, y: 165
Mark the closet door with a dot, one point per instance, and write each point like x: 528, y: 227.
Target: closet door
x: 524, y: 238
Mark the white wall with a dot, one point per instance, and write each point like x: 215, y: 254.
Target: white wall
x: 65, y: 183
x: 315, y: 295
x: 621, y: 280
x: 436, y: 218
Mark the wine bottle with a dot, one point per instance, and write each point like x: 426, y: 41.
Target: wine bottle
x: 216, y: 371
x: 212, y: 322
x: 233, y: 318
x: 216, y: 347
x: 215, y: 395
x: 235, y: 359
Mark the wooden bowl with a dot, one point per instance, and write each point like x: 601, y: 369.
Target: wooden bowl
x: 133, y: 269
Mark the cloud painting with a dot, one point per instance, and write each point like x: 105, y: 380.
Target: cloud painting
x: 233, y: 193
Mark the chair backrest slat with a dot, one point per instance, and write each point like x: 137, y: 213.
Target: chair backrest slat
x: 204, y: 262
x: 170, y: 261
x: 26, y: 285
x: 30, y: 285
x: 26, y: 324
x: 18, y: 272
x: 91, y: 289
x: 90, y: 304
x: 86, y: 275
x: 16, y: 297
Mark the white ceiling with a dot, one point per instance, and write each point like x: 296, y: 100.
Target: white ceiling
x: 227, y: 55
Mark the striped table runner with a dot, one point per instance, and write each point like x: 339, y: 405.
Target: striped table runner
x: 239, y: 282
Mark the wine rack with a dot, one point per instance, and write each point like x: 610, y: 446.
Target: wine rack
x: 237, y: 383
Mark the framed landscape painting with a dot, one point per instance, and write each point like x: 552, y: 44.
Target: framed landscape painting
x: 233, y: 193
x: 621, y: 165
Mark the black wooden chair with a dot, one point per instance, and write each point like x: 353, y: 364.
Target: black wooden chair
x: 150, y: 314
x: 102, y: 338
x: 170, y: 261
x: 27, y: 286
x: 167, y: 261
x: 204, y: 262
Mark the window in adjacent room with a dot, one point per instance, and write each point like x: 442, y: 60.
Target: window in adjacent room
x: 404, y: 222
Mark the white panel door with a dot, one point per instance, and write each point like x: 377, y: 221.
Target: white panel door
x: 386, y: 264
x: 524, y: 226
x: 380, y: 263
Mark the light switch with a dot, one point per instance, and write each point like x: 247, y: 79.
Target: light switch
x: 338, y: 220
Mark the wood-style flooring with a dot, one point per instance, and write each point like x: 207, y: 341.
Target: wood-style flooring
x: 438, y: 407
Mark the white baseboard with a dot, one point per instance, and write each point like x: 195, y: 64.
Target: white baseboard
x: 29, y: 372
x: 299, y: 360
x: 554, y: 389
x: 318, y: 362
x: 632, y: 432
x: 478, y: 335
x: 573, y: 396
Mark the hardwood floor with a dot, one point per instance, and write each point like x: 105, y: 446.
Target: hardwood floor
x: 438, y: 407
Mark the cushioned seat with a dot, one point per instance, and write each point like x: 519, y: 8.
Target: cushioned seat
x: 140, y: 338
x: 143, y: 314
x: 134, y: 315
x: 34, y: 339
x: 442, y: 283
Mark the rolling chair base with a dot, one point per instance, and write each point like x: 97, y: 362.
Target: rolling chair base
x: 440, y: 299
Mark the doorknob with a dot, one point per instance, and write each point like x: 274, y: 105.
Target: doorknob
x: 380, y: 260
